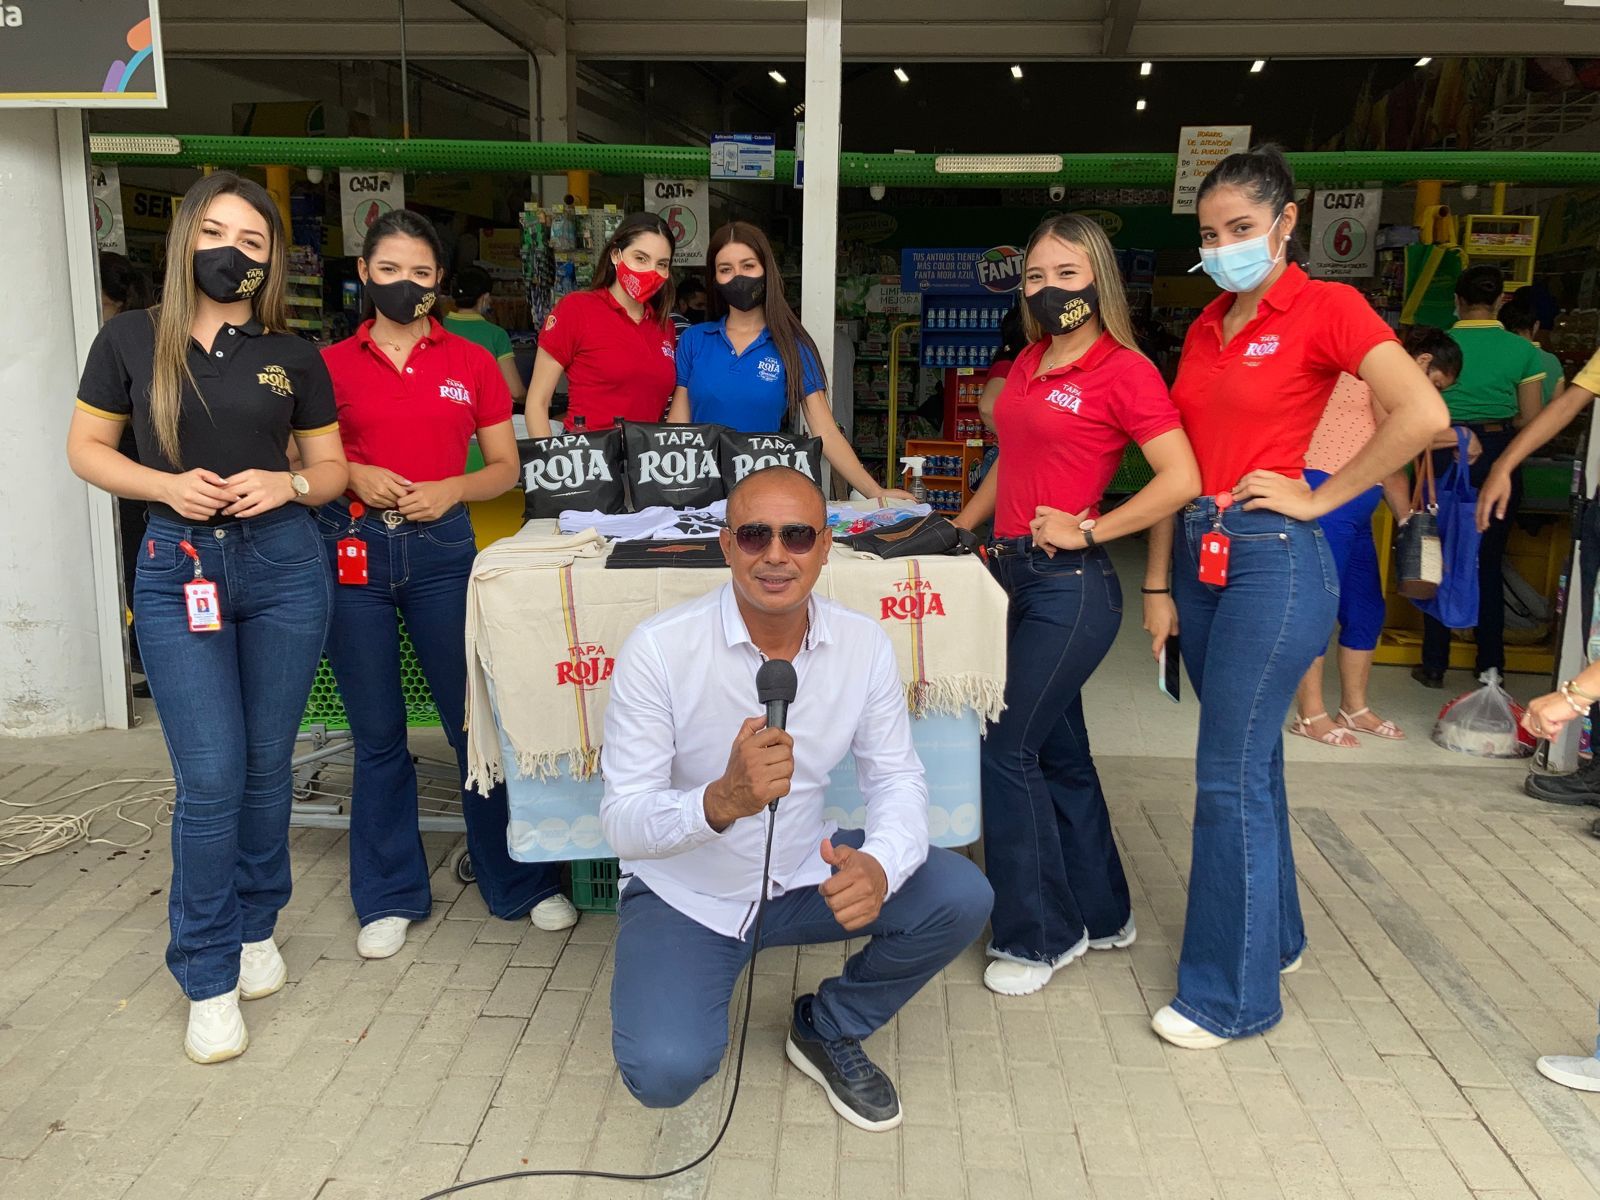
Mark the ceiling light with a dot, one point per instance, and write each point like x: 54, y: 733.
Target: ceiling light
x: 1144, y: 68
x: 899, y: 73
x: 997, y: 164
x: 799, y: 109
x: 1016, y: 70
x: 1258, y: 66
x: 1138, y: 106
x: 1424, y: 60
x: 776, y: 77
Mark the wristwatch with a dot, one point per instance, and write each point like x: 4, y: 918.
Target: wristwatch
x: 1087, y: 529
x: 301, y: 485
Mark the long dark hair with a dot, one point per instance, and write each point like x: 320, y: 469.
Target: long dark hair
x: 789, y: 337
x: 1263, y: 174
x: 123, y: 283
x: 400, y: 222
x: 630, y: 231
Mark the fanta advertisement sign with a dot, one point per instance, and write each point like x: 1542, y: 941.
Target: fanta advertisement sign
x: 1000, y: 269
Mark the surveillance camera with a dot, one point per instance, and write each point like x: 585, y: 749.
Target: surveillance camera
x: 877, y: 191
x: 314, y: 174
x: 1057, y: 193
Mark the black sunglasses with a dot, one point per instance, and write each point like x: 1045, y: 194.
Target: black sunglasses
x: 757, y: 536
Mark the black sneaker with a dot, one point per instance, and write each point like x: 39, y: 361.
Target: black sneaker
x: 1580, y: 787
x: 858, y: 1090
x: 1427, y: 678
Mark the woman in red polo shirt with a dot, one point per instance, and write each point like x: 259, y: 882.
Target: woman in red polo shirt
x: 1255, y: 584
x: 411, y: 397
x: 614, y: 342
x: 1075, y: 397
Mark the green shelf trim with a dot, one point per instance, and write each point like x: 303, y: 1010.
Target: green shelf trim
x: 855, y: 170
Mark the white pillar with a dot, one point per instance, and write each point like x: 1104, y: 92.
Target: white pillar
x: 61, y: 639
x: 819, y: 227
x: 552, y: 103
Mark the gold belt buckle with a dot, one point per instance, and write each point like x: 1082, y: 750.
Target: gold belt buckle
x: 392, y: 518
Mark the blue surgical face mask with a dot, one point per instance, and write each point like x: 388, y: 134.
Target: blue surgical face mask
x: 1241, y: 266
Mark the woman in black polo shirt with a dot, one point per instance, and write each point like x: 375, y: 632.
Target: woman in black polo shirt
x: 232, y: 591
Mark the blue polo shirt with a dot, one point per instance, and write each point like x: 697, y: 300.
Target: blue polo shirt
x: 746, y: 392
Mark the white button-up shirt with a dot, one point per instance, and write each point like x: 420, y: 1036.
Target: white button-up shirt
x: 684, y: 682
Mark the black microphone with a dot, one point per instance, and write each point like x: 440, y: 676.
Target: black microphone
x: 776, y: 685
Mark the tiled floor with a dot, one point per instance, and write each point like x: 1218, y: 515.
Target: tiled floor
x: 1455, y: 935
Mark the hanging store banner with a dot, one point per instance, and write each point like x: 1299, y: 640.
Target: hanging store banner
x: 1344, y: 233
x: 685, y: 205
x: 81, y: 54
x: 748, y: 156
x: 109, y: 233
x: 364, y: 196
x: 961, y: 271
x: 1200, y: 149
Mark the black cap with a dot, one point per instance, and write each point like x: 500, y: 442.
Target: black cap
x: 776, y: 680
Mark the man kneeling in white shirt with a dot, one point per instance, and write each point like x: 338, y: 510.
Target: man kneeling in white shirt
x: 689, y: 772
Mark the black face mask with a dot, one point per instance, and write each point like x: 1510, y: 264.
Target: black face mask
x: 1061, y: 311
x: 227, y: 274
x: 402, y: 301
x: 743, y: 292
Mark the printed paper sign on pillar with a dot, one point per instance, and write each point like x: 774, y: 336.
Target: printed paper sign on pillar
x: 1344, y: 233
x: 1200, y: 149
x: 108, y: 229
x: 684, y: 205
x: 364, y: 196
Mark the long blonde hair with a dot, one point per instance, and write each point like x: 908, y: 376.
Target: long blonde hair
x: 1087, y: 236
x: 174, y: 317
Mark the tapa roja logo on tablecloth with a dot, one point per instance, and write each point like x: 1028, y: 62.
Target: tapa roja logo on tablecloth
x: 913, y: 600
x: 586, y: 666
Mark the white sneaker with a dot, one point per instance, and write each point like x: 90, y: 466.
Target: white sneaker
x: 216, y: 1030
x: 1176, y: 1028
x: 1008, y: 978
x: 261, y: 970
x: 1116, y: 941
x: 554, y: 914
x: 1572, y: 1071
x: 1293, y: 965
x: 383, y: 937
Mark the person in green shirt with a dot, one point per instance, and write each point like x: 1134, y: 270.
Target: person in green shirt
x: 470, y: 320
x: 1498, y: 391
x: 1519, y: 318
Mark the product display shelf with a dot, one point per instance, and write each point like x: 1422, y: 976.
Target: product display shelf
x: 948, y: 490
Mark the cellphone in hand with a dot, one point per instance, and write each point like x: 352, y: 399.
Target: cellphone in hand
x: 1167, y: 671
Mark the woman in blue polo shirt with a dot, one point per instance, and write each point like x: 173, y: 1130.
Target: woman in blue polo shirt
x: 751, y: 365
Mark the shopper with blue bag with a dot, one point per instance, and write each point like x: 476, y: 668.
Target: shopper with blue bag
x: 1455, y: 605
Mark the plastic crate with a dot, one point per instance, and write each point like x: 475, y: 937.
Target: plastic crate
x: 325, y: 707
x: 594, y: 885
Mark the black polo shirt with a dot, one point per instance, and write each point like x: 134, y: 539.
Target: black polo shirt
x: 258, y: 387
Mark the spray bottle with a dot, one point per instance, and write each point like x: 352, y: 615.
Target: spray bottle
x: 914, y: 485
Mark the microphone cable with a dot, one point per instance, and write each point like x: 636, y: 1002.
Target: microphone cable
x: 738, y: 1068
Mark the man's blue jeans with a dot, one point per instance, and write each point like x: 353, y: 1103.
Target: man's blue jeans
x: 1246, y: 646
x: 419, y: 572
x: 230, y: 704
x: 1046, y: 832
x: 674, y: 977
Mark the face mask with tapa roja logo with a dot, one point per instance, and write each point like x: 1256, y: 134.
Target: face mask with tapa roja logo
x: 228, y: 274
x: 641, y: 285
x: 402, y: 301
x: 1059, y: 310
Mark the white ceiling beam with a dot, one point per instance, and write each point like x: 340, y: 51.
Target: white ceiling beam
x: 1121, y: 16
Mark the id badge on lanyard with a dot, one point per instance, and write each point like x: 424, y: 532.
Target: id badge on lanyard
x: 353, y: 551
x: 200, y: 597
x: 1214, y: 547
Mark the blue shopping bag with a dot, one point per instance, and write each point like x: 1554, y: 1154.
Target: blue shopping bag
x: 1456, y: 604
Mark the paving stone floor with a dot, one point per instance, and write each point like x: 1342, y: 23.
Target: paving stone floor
x: 1455, y: 935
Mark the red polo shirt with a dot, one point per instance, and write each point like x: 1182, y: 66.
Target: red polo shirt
x: 618, y: 369
x: 1253, y: 404
x: 1062, y: 433
x: 416, y: 420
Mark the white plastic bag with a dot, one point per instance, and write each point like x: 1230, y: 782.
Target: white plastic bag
x: 1486, y: 722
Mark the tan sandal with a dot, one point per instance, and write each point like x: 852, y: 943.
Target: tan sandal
x: 1385, y: 729
x: 1342, y: 738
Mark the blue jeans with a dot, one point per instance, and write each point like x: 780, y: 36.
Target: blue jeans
x: 419, y: 572
x: 1046, y: 832
x: 1348, y: 528
x: 674, y: 977
x: 1246, y: 646
x: 230, y: 704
